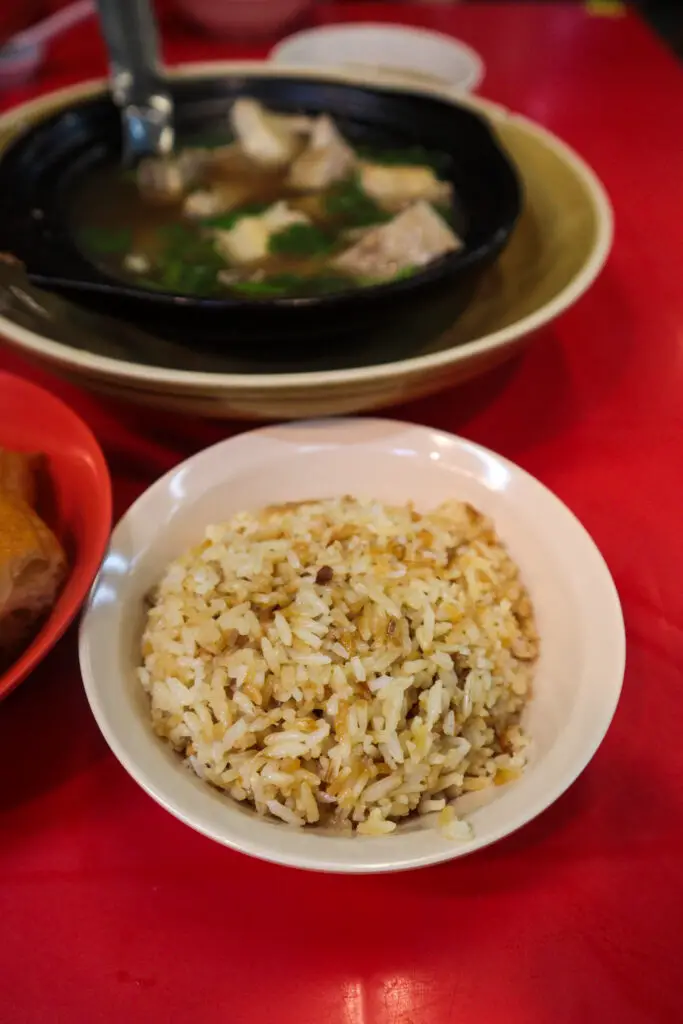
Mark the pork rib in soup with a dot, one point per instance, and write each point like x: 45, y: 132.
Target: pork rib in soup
x: 286, y: 208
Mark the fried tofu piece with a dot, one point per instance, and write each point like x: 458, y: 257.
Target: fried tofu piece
x: 19, y: 475
x: 394, y: 188
x: 32, y: 561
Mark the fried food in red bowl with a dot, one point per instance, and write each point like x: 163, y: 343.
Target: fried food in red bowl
x: 55, y: 520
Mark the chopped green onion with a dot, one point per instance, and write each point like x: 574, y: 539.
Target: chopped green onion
x: 348, y: 202
x: 269, y: 287
x: 106, y: 241
x: 401, y: 275
x: 209, y: 140
x: 300, y: 240
x: 277, y: 285
x: 226, y: 221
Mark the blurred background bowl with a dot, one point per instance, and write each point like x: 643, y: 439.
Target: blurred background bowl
x: 418, y: 54
x: 79, y: 509
x: 556, y: 251
x: 245, y: 18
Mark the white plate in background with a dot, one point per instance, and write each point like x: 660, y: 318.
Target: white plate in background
x: 414, y: 54
x: 580, y: 670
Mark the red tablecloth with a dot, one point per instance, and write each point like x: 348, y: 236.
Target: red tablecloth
x: 110, y: 910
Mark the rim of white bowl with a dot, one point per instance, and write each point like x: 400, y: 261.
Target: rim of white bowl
x: 190, y: 380
x: 612, y: 638
x: 280, y: 53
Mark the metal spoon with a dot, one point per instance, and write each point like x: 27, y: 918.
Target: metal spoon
x: 137, y: 83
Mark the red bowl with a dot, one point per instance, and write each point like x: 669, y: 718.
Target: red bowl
x: 80, y: 512
x: 244, y: 18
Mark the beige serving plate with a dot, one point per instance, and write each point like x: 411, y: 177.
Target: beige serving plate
x: 556, y: 252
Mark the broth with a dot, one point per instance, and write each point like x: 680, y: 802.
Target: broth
x: 156, y: 245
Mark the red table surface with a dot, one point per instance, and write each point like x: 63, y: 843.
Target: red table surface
x: 110, y: 910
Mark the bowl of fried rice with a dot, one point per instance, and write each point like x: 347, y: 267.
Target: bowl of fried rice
x: 353, y: 645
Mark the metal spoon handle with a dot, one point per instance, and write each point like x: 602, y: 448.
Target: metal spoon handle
x: 130, y: 33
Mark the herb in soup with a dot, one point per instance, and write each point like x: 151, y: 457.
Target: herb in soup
x: 287, y: 208
x: 349, y: 206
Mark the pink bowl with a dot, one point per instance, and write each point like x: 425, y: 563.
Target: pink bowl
x: 243, y: 17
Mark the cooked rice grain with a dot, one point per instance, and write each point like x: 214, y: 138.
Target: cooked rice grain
x: 343, y: 662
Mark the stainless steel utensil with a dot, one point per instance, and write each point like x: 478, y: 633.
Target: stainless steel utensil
x: 138, y: 88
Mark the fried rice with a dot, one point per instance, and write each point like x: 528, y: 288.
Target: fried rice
x: 344, y: 662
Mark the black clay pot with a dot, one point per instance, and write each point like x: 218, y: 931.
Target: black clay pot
x: 41, y: 169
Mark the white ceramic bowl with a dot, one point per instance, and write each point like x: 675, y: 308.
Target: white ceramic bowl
x: 579, y: 619
x: 419, y: 55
